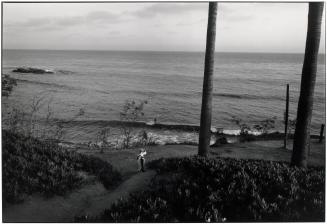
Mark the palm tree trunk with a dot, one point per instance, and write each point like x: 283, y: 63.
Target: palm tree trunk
x: 304, y: 112
x: 205, y: 123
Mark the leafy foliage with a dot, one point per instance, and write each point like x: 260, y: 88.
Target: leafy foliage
x: 145, y: 139
x: 291, y: 127
x: 244, y: 129
x: 37, y: 119
x: 197, y: 189
x: 105, y: 172
x: 132, y: 111
x: 7, y: 85
x: 263, y: 127
x: 30, y: 165
x: 102, y: 140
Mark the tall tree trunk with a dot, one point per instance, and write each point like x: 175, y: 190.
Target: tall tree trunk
x: 205, y: 125
x: 304, y: 112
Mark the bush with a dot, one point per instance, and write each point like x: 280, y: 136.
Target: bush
x: 198, y: 189
x: 30, y: 165
x: 135, y: 210
x: 7, y: 84
x: 105, y: 172
x: 132, y: 111
x: 37, y: 119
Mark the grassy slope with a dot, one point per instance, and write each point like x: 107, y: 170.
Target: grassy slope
x: 30, y: 166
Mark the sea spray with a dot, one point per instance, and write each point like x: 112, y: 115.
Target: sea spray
x: 166, y: 137
x: 154, y: 138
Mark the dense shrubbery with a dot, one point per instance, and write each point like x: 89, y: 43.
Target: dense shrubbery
x: 105, y: 172
x: 7, y: 85
x: 30, y: 165
x: 198, y: 189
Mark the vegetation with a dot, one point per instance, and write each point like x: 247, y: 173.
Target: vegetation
x: 7, y: 85
x: 263, y: 127
x: 30, y: 165
x: 244, y: 129
x: 37, y: 119
x: 132, y: 111
x: 102, y: 139
x: 198, y: 189
x: 291, y: 128
x: 137, y: 139
x: 145, y: 139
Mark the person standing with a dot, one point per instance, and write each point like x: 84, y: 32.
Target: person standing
x: 141, y: 159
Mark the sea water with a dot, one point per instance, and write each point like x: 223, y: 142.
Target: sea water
x: 248, y: 86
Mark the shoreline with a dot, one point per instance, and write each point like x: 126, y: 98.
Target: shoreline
x: 171, y: 126
x: 191, y: 139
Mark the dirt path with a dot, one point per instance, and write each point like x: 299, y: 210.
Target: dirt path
x: 91, y: 200
x: 133, y: 184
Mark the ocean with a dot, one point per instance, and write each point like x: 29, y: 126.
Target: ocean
x: 249, y: 86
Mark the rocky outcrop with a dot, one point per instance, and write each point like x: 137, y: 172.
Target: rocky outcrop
x: 32, y: 70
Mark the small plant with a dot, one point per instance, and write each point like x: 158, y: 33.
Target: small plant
x: 102, y: 139
x: 244, y: 129
x: 37, y: 103
x: 31, y: 121
x: 7, y: 85
x: 132, y: 111
x: 14, y: 120
x: 145, y: 138
x: 265, y: 126
x: 291, y: 127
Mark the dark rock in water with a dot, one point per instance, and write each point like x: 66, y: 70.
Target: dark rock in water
x: 65, y: 72
x: 220, y: 141
x: 223, y: 140
x: 32, y: 70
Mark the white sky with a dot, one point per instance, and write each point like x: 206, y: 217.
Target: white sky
x: 241, y: 27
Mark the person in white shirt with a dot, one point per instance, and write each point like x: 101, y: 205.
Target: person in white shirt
x: 141, y: 159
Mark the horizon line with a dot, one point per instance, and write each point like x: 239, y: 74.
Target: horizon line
x: 245, y: 52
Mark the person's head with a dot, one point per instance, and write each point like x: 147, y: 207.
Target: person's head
x: 142, y: 150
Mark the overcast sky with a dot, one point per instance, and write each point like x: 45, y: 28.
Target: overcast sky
x: 241, y: 27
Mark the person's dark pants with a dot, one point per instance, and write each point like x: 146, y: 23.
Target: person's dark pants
x: 142, y: 164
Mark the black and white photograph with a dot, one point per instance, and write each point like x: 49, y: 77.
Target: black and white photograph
x: 163, y: 111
